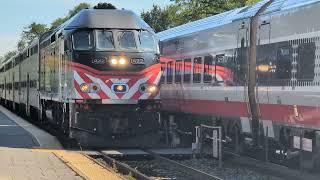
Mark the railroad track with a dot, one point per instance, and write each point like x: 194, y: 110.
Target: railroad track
x: 166, y: 168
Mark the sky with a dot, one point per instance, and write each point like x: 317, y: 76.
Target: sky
x: 16, y: 14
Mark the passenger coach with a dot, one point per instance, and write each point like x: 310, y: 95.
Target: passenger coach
x: 255, y: 71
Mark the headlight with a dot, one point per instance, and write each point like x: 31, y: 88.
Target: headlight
x: 89, y: 88
x: 152, y: 88
x: 122, y: 61
x: 148, y: 88
x: 114, y: 61
x: 85, y: 87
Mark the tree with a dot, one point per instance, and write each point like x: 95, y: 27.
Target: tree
x: 251, y: 2
x: 21, y: 45
x: 161, y: 19
x: 8, y: 55
x: 56, y: 23
x: 33, y: 31
x: 184, y: 11
x: 104, y: 6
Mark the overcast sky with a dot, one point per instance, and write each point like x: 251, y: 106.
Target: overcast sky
x: 16, y: 14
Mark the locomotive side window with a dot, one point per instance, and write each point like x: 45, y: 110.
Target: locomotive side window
x: 126, y: 40
x: 187, y: 71
x: 207, y: 71
x: 104, y: 40
x: 147, y: 41
x: 306, y: 61
x: 169, y: 72
x: 197, y: 69
x: 178, y: 71
x: 83, y: 40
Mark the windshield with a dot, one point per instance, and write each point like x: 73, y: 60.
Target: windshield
x: 104, y: 40
x: 147, y: 41
x: 83, y: 40
x: 126, y: 40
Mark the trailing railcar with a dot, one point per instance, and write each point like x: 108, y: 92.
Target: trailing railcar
x: 96, y: 77
x: 253, y: 70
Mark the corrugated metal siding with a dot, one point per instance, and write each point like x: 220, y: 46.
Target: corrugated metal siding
x: 230, y: 16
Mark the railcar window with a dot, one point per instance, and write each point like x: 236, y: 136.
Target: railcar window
x: 104, y: 40
x: 83, y: 40
x: 163, y: 71
x: 169, y: 72
x: 147, y: 41
x: 197, y: 68
x: 126, y: 40
x: 207, y: 70
x: 284, y: 58
x: 178, y: 71
x: 306, y: 61
x: 187, y: 71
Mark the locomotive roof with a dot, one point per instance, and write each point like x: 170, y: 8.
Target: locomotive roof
x: 230, y: 16
x: 101, y: 18
x: 106, y: 18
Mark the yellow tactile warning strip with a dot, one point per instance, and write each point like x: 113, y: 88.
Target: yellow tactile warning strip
x: 84, y: 166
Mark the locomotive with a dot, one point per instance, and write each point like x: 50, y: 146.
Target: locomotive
x: 254, y: 71
x: 96, y: 77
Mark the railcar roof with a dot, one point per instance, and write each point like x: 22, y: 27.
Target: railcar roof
x: 230, y: 16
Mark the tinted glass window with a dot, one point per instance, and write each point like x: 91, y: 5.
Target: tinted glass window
x: 83, y: 40
x: 197, y: 68
x: 306, y: 60
x: 126, y: 40
x: 187, y: 71
x: 284, y: 67
x: 163, y: 70
x: 178, y: 71
x: 207, y: 70
x: 104, y: 40
x: 147, y: 41
x: 169, y: 72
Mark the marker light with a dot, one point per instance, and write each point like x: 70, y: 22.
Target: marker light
x: 85, y: 87
x: 114, y: 61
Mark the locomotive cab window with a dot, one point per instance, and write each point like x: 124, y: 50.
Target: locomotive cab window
x: 197, y: 68
x: 126, y: 40
x: 104, y: 40
x: 83, y: 40
x: 147, y: 41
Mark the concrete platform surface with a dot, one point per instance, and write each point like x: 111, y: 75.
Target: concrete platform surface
x: 18, y: 164
x: 18, y: 133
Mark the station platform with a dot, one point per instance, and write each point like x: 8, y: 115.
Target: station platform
x: 16, y: 132
x: 27, y: 152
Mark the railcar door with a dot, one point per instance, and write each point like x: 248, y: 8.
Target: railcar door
x: 240, y: 81
x: 266, y: 69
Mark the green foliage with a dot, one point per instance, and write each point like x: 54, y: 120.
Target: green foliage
x: 184, y: 11
x: 104, y: 6
x: 33, y: 31
x: 7, y: 56
x: 251, y: 2
x: 161, y: 19
x: 74, y: 11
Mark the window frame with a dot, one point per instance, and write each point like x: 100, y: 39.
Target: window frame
x: 196, y: 77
